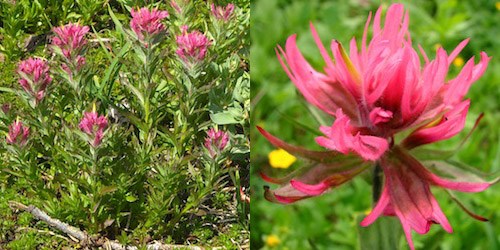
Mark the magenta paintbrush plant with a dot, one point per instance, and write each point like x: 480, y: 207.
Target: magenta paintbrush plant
x: 192, y: 46
x: 376, y: 91
x: 216, y: 141
x: 222, y: 12
x: 35, y: 77
x: 18, y: 133
x: 70, y: 39
x: 94, y: 125
x: 147, y: 22
x: 148, y: 150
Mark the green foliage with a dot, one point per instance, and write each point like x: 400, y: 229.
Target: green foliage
x: 151, y: 175
x: 330, y: 221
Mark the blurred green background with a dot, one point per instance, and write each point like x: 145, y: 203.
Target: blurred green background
x: 329, y: 221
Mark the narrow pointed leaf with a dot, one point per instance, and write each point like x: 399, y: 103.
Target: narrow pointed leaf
x: 320, y: 156
x: 462, y: 206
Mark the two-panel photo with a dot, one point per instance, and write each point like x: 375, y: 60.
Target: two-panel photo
x: 249, y: 124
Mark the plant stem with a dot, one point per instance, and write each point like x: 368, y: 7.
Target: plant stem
x: 377, y: 183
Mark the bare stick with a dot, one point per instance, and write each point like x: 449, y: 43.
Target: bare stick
x: 41, y: 215
x: 84, y: 238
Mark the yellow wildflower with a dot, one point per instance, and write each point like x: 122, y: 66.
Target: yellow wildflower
x: 272, y: 240
x: 437, y: 46
x: 458, y: 62
x: 368, y: 211
x: 279, y: 158
x: 497, y: 5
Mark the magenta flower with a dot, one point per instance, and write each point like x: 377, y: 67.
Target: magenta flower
x: 94, y: 125
x: 222, y: 13
x: 35, y: 77
x: 192, y: 47
x: 216, y: 141
x: 70, y: 38
x: 18, y: 133
x: 147, y: 22
x: 376, y: 91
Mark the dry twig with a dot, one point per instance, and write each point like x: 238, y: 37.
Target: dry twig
x: 84, y: 238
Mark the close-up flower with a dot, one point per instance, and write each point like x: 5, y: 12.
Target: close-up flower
x: 147, y: 22
x: 35, y: 78
x: 387, y: 99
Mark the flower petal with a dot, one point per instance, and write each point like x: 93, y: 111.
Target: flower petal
x: 452, y: 123
x: 418, y: 168
x: 315, y: 180
x: 325, y: 92
x: 332, y: 180
x: 340, y: 137
x: 381, y: 206
x: 408, y: 196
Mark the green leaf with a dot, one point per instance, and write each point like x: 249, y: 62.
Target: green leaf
x: 460, y: 172
x: 5, y: 89
x: 118, y: 25
x: 107, y: 189
x: 223, y: 118
x: 384, y: 233
x: 130, y: 198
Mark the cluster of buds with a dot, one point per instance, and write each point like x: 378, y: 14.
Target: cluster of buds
x: 216, y: 141
x: 18, y: 133
x: 94, y: 125
x: 192, y: 46
x: 70, y: 39
x: 222, y: 13
x: 146, y: 23
x: 35, y: 77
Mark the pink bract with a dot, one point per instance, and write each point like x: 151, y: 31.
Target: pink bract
x: 375, y: 91
x: 147, y: 22
x: 381, y: 87
x: 18, y: 133
x: 94, y: 125
x: 70, y: 38
x: 222, y: 12
x: 35, y: 77
x: 192, y: 46
x: 216, y: 141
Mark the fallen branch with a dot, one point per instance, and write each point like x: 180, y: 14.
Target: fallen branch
x: 84, y: 238
x: 41, y: 215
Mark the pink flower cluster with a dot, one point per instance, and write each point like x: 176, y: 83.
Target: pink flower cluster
x: 147, y: 22
x: 18, y: 133
x: 216, y: 141
x: 376, y: 91
x: 222, y: 13
x: 192, y: 46
x: 35, y: 77
x: 70, y: 38
x: 94, y: 125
